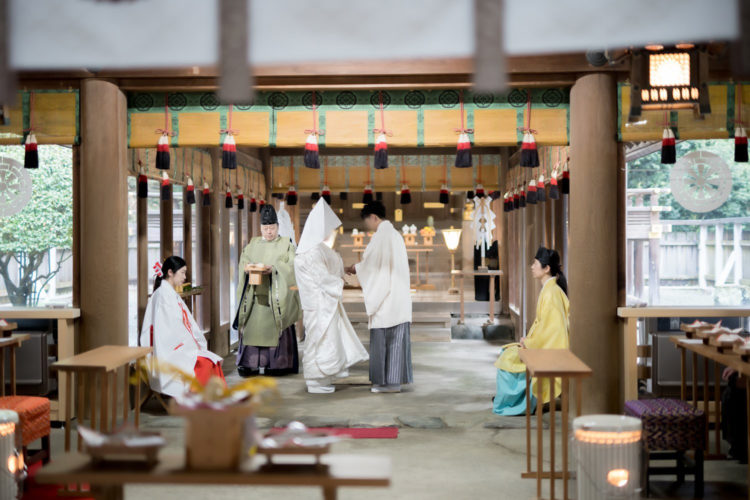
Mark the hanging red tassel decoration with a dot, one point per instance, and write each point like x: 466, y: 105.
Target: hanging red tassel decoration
x: 326, y: 194
x: 529, y: 153
x: 315, y: 196
x: 463, y: 150
x: 479, y: 191
x: 142, y: 186
x: 554, y: 190
x: 206, y: 195
x: 522, y: 196
x: 531, y: 193
x: 668, y: 150
x: 740, y: 134
x: 190, y: 192
x: 240, y: 200
x: 445, y: 195
x: 367, y: 195
x: 405, y: 194
x: 166, y: 187
x: 541, y: 193
x: 565, y: 182
x: 291, y: 196
x: 31, y: 149
x: 312, y: 159
x: 740, y: 144
x: 507, y: 202
x: 162, y: 152
x: 229, y: 147
x: 228, y: 199
x: 381, y: 144
x: 31, y: 154
x: 253, y: 205
x: 162, y: 146
x: 261, y: 202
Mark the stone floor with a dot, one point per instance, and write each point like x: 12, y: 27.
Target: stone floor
x: 450, y: 445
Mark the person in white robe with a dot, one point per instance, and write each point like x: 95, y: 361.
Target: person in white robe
x: 331, y: 345
x: 178, y: 341
x: 383, y: 274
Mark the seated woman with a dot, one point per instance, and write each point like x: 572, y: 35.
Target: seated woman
x: 177, y: 339
x: 549, y: 331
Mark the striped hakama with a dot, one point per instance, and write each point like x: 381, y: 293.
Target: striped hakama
x: 390, y: 355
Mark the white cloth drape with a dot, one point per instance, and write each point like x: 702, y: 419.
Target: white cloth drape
x: 177, y: 339
x: 384, y: 276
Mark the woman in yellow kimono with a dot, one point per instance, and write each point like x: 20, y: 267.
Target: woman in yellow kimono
x: 549, y: 331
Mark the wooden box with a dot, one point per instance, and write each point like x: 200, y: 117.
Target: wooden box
x: 214, y: 438
x: 410, y: 239
x: 255, y: 273
x: 427, y: 240
x: 359, y: 239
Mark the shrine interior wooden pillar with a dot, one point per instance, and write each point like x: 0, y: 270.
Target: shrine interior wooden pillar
x: 204, y: 259
x: 142, y: 265
x: 103, y: 215
x: 593, y: 244
x: 166, y: 218
x: 218, y: 342
x: 502, y: 229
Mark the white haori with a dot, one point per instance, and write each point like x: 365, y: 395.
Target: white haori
x: 384, y: 277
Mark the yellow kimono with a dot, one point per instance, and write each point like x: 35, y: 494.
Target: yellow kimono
x: 550, y: 330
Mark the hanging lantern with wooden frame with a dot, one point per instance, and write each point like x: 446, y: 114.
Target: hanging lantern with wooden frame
x: 671, y: 77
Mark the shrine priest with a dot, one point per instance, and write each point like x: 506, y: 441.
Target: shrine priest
x: 267, y: 312
x: 384, y: 276
x: 331, y: 345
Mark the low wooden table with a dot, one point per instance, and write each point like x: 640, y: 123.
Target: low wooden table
x: 100, y: 365
x: 416, y: 250
x: 65, y: 319
x: 12, y: 342
x: 551, y: 364
x: 491, y: 274
x: 107, y: 480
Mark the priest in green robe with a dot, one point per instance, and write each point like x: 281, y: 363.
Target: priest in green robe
x: 267, y: 312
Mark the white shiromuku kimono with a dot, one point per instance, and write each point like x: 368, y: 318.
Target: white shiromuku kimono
x: 331, y: 344
x: 384, y: 277
x: 177, y: 339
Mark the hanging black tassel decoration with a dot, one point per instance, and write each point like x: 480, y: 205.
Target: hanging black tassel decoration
x: 516, y: 199
x: 668, y: 150
x: 206, y: 195
x: 554, y: 190
x: 190, y: 192
x: 469, y: 195
x: 378, y: 196
x: 31, y: 154
x: 507, y: 203
x: 531, y: 193
x: 740, y: 144
x: 229, y: 153
x: 315, y: 196
x: 463, y: 152
x: 405, y: 195
x: 367, y: 195
x: 541, y: 194
x: 253, y: 205
x: 228, y: 199
x: 529, y: 153
x: 142, y: 186
x: 381, y: 152
x: 162, y: 152
x: 291, y: 196
x: 479, y: 191
x: 326, y: 194
x: 166, y: 187
x: 240, y: 200
x: 565, y: 181
x: 343, y: 196
x: 312, y: 160
x: 445, y: 195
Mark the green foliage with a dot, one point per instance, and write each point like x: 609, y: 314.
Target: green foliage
x: 648, y: 172
x: 45, y: 223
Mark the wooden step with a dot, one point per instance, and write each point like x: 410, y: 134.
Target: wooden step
x: 417, y: 334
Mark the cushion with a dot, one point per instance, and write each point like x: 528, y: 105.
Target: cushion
x: 33, y: 414
x: 669, y: 424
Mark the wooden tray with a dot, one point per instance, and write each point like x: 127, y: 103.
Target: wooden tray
x: 690, y: 331
x: 316, y: 451
x: 107, y: 452
x: 723, y: 345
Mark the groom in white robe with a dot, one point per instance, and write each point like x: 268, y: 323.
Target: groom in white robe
x: 331, y: 344
x: 384, y: 276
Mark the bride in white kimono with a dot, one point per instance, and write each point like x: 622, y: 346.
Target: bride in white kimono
x: 331, y: 345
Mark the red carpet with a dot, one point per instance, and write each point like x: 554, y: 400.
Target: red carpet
x: 34, y: 491
x: 353, y: 432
